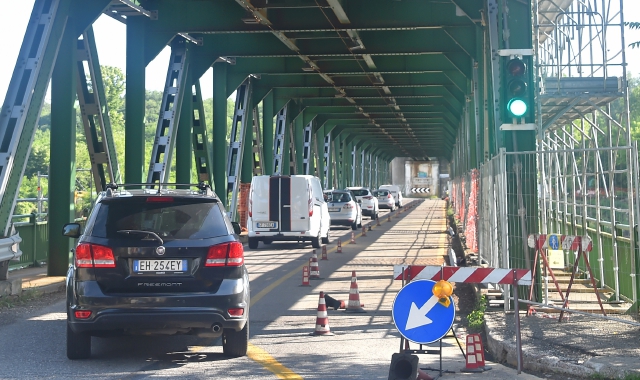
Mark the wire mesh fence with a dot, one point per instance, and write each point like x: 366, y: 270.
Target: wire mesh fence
x: 578, y: 192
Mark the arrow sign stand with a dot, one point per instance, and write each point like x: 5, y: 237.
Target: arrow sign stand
x: 418, y: 318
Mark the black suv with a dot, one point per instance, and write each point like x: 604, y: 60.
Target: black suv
x: 152, y: 261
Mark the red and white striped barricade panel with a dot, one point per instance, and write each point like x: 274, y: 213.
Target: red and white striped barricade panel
x: 568, y: 242
x: 462, y: 274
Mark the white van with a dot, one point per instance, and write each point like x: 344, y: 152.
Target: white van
x: 287, y: 208
x: 395, y: 191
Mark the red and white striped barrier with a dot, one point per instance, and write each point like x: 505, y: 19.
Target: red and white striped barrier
x: 568, y: 242
x: 462, y: 274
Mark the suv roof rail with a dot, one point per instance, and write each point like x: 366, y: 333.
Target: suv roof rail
x: 204, y: 187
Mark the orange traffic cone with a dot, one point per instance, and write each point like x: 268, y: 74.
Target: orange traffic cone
x: 354, y: 305
x: 389, y: 217
x: 364, y: 230
x: 378, y: 221
x: 314, y: 268
x: 339, y: 250
x: 422, y: 375
x: 322, y: 321
x: 324, y: 253
x: 353, y: 238
x: 305, y: 276
x: 475, y: 355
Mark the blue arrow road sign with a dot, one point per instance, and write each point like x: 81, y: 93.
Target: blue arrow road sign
x: 419, y: 316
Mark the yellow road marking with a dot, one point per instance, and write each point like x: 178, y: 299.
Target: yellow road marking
x: 261, y: 356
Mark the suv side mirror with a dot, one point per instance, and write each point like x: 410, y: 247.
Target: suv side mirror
x: 236, y: 228
x: 71, y: 230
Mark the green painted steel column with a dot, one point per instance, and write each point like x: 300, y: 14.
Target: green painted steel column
x: 267, y: 133
x: 134, y: 147
x: 522, y: 190
x: 62, y: 169
x: 247, y: 148
x: 220, y: 144
x: 184, y: 150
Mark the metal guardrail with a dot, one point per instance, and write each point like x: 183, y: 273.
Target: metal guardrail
x: 10, y: 248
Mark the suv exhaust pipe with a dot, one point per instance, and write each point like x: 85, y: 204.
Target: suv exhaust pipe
x: 216, y: 328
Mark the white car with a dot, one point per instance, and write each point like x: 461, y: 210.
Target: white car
x: 395, y: 192
x: 385, y: 199
x: 369, y: 203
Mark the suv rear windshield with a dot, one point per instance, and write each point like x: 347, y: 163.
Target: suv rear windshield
x: 360, y: 193
x: 380, y: 193
x: 179, y: 219
x: 339, y: 197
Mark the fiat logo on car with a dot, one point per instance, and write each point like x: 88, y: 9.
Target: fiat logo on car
x: 160, y: 250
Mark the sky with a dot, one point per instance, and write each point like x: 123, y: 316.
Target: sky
x: 110, y: 39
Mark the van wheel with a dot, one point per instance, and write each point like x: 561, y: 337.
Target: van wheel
x: 325, y: 240
x: 78, y: 345
x: 235, y: 343
x: 315, y: 242
x: 253, y: 243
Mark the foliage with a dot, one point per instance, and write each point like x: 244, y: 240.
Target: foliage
x: 633, y: 25
x: 476, y: 317
x: 26, y: 296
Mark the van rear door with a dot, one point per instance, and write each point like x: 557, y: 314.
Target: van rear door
x: 301, y: 204
x: 288, y: 201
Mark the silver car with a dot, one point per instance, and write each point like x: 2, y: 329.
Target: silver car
x: 344, y: 210
x: 385, y: 199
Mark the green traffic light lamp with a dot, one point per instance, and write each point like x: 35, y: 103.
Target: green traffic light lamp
x: 517, y: 107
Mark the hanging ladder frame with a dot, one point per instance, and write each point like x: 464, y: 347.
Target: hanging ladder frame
x: 236, y: 145
x: 258, y: 158
x: 95, y: 114
x: 326, y: 158
x: 278, y: 141
x: 306, y: 148
x: 293, y: 167
x: 21, y: 109
x: 199, y: 138
x: 174, y: 88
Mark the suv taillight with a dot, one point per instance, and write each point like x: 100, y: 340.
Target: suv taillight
x: 368, y: 197
x: 225, y: 255
x: 94, y: 256
x: 389, y: 196
x: 348, y: 205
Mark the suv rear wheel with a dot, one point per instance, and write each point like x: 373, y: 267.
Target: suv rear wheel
x: 235, y: 343
x: 78, y: 345
x: 253, y: 243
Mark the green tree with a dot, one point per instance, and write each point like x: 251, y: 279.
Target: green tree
x: 636, y: 26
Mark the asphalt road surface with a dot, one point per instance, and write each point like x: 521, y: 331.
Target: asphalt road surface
x: 282, y: 318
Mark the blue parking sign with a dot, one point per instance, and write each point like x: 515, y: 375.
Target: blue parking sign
x: 418, y: 314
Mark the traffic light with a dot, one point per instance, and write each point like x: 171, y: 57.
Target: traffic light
x: 518, y: 102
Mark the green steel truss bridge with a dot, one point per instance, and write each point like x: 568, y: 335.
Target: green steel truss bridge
x: 524, y: 100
